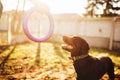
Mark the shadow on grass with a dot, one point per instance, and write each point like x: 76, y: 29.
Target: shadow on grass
x: 6, y: 58
x: 3, y: 48
x: 58, y: 50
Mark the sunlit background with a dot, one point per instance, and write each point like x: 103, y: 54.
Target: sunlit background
x: 56, y: 6
x: 63, y: 6
x: 97, y: 21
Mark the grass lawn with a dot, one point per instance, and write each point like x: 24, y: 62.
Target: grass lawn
x: 54, y: 62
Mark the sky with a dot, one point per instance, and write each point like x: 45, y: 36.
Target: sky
x: 55, y: 6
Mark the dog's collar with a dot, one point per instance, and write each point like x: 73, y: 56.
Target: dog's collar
x: 78, y: 57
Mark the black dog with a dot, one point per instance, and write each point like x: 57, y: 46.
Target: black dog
x: 86, y: 66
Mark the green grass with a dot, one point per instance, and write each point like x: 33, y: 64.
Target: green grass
x: 51, y: 55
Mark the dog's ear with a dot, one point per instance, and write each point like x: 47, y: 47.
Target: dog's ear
x: 81, y: 45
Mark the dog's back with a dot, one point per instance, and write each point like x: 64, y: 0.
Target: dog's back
x: 86, y: 66
x: 91, y: 68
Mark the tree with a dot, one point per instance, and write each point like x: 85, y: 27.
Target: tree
x: 90, y: 9
x: 109, y: 7
x: 17, y: 18
x: 1, y: 8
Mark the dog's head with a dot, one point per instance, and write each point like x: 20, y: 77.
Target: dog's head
x: 76, y: 45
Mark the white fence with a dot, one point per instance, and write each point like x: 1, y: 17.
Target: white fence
x: 99, y: 32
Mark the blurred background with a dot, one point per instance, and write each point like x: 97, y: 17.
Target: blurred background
x: 97, y: 21
x: 92, y: 19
